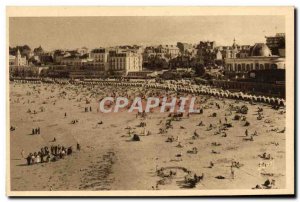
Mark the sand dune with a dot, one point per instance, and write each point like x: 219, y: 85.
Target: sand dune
x: 109, y: 160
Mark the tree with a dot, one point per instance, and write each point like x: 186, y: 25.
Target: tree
x: 199, y: 69
x: 155, y: 62
x: 24, y: 50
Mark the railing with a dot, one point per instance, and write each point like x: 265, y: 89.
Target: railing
x: 191, y: 89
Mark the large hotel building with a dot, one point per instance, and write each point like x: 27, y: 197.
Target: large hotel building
x: 260, y: 58
x: 125, y: 61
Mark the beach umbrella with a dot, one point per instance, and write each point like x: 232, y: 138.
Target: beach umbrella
x: 259, y: 98
x: 272, y: 100
x: 282, y: 102
x: 250, y: 97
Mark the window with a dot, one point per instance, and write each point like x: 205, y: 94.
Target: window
x: 243, y: 67
x: 273, y: 66
x: 239, y: 67
x: 248, y: 67
x: 267, y: 66
x: 261, y: 66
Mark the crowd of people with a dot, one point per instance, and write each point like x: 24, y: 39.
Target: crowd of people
x: 144, y: 89
x: 177, y: 86
x: 36, y: 131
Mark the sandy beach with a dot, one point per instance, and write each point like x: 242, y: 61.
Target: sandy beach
x: 110, y: 160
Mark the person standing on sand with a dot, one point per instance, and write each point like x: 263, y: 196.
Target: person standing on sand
x: 32, y: 159
x: 29, y: 159
x: 255, y: 133
x: 55, y: 150
x: 38, y: 158
x: 42, y: 155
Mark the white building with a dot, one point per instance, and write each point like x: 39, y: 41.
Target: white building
x: 82, y: 51
x: 76, y: 60
x: 100, y: 57
x: 169, y: 51
x: 260, y: 58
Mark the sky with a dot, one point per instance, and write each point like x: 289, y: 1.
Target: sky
x: 92, y: 32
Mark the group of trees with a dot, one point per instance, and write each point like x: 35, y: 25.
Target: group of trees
x: 25, y: 50
x: 156, y: 62
x: 24, y: 72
